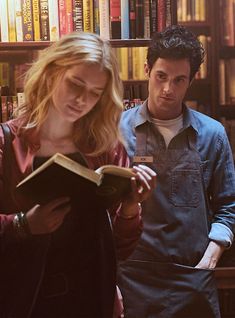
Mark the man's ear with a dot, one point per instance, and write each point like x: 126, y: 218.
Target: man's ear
x: 146, y: 70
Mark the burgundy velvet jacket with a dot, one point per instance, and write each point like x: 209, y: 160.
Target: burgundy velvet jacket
x: 22, y: 261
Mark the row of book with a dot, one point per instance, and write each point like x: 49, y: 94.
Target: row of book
x: 229, y: 125
x: 12, y: 76
x: 48, y: 20
x: 9, y: 103
x: 227, y: 81
x: 227, y: 22
x: 130, y: 60
x: 191, y: 10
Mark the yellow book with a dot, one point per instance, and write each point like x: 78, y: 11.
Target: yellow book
x: 122, y: 58
x: 202, y: 10
x: 88, y: 23
x: 36, y: 20
x: 11, y: 20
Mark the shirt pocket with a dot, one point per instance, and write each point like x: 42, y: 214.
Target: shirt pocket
x: 185, y: 188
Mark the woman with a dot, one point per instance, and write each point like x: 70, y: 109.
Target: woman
x: 58, y: 263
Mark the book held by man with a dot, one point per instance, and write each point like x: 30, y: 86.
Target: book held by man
x: 61, y: 176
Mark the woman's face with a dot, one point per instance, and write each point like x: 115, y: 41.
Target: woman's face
x: 79, y: 90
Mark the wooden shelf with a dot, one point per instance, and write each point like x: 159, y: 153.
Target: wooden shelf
x: 33, y: 45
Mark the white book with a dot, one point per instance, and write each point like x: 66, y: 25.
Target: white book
x: 18, y: 21
x: 4, y: 21
x: 53, y: 20
x: 104, y: 19
x: 125, y: 32
x: 11, y: 20
x: 20, y: 99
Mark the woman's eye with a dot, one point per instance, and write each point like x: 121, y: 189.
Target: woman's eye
x: 95, y: 94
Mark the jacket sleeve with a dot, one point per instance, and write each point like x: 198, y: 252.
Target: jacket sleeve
x: 6, y: 220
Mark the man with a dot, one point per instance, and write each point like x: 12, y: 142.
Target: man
x: 189, y: 220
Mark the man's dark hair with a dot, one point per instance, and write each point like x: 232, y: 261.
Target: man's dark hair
x: 176, y: 42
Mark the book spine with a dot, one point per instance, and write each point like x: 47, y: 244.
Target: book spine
x: 125, y: 27
x: 4, y: 74
x: 27, y: 11
x: 139, y: 19
x: 53, y: 20
x: 168, y: 13
x: 153, y: 16
x: 4, y: 29
x: 88, y: 15
x: 18, y: 20
x: 146, y: 19
x: 20, y: 99
x: 4, y: 116
x: 115, y: 19
x: 104, y: 19
x: 44, y: 20
x: 11, y: 20
x: 77, y: 15
x: 122, y: 58
x: 62, y: 17
x: 96, y: 17
x: 222, y: 96
x: 161, y: 15
x: 132, y: 19
x: 69, y: 16
x: 202, y: 9
x: 36, y: 20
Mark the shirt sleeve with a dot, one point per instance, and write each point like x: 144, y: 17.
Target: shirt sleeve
x: 126, y: 231
x: 222, y: 193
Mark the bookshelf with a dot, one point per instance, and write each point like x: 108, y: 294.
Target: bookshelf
x: 208, y: 92
x: 215, y: 94
x: 24, y: 52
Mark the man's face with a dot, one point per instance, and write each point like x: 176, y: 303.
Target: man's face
x: 168, y: 83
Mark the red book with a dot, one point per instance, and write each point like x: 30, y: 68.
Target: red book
x: 62, y: 17
x: 115, y: 18
x: 161, y: 15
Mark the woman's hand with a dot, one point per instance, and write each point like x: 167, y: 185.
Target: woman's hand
x: 43, y: 219
x: 142, y: 186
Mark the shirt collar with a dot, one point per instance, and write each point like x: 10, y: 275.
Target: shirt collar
x: 143, y: 116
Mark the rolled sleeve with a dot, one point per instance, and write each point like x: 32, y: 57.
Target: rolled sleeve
x: 221, y: 234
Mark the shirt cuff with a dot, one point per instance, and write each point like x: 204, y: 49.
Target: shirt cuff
x: 221, y: 234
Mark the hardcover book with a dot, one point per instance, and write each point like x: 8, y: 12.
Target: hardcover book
x: 27, y: 13
x: 61, y: 176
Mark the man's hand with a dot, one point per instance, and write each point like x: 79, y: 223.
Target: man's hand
x: 211, y: 256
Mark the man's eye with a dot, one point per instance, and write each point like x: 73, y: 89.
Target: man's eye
x: 161, y: 76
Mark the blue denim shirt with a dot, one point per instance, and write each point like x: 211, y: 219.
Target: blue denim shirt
x: 217, y: 161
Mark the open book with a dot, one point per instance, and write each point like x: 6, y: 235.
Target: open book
x: 61, y: 176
